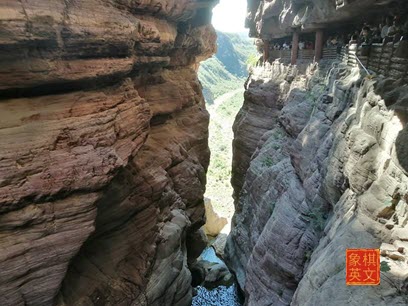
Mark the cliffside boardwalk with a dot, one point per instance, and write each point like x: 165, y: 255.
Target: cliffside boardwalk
x: 320, y: 155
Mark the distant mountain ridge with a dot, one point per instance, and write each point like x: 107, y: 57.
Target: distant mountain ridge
x: 227, y: 69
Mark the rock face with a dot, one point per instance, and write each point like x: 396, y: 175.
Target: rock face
x: 103, y: 150
x: 315, y: 185
x: 263, y: 101
x: 213, y: 223
x: 318, y: 155
x: 211, y: 274
x: 277, y: 18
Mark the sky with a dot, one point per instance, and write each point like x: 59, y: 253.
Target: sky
x: 229, y: 16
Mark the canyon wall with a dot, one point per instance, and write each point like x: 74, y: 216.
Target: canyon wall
x: 103, y: 153
x: 320, y: 165
x: 277, y: 18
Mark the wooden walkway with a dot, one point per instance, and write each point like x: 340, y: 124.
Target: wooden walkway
x: 390, y: 60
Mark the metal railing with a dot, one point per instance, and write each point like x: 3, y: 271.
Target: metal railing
x: 389, y: 60
x: 284, y: 55
x: 361, y: 64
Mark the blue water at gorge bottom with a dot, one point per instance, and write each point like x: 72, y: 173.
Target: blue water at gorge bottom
x: 209, y: 255
x: 219, y: 296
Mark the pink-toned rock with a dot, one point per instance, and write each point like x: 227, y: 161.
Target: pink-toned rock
x: 103, y: 154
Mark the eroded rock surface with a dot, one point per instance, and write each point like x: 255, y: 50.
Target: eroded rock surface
x: 103, y: 150
x: 315, y: 185
x: 319, y: 166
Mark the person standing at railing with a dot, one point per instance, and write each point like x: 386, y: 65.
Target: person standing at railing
x: 395, y: 31
x: 366, y: 40
x: 386, y: 27
x: 377, y: 39
x: 366, y: 36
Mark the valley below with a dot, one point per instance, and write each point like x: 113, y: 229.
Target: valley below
x: 147, y: 159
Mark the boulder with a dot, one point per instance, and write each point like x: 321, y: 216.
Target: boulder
x: 214, y: 223
x: 210, y: 274
x: 219, y: 244
x: 218, y: 275
x: 196, y: 243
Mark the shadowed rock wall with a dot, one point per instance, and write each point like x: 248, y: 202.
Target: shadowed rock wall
x: 317, y: 166
x: 316, y: 183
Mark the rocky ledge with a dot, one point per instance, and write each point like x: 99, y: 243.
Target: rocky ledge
x: 103, y: 150
x: 326, y: 170
x: 320, y: 165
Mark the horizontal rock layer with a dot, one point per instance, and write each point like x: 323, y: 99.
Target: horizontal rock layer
x: 103, y: 150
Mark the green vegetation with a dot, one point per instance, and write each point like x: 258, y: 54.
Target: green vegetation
x: 278, y: 134
x: 219, y: 189
x: 227, y: 69
x: 252, y: 60
x: 268, y: 162
x: 270, y: 208
x: 229, y: 109
x: 384, y: 266
x: 244, y: 46
x: 317, y: 218
x: 307, y: 255
x: 216, y: 80
x: 224, y: 74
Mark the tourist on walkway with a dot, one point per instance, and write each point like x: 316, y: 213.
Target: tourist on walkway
x: 386, y: 27
x: 366, y: 36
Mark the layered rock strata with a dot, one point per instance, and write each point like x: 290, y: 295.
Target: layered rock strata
x: 103, y: 150
x: 317, y: 183
x: 320, y: 165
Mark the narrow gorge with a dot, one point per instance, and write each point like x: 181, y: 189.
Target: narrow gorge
x: 104, y: 154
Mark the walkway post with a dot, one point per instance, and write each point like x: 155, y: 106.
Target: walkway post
x: 295, y: 48
x: 266, y: 51
x: 319, y: 45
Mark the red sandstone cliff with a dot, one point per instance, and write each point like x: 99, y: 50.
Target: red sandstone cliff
x: 103, y: 149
